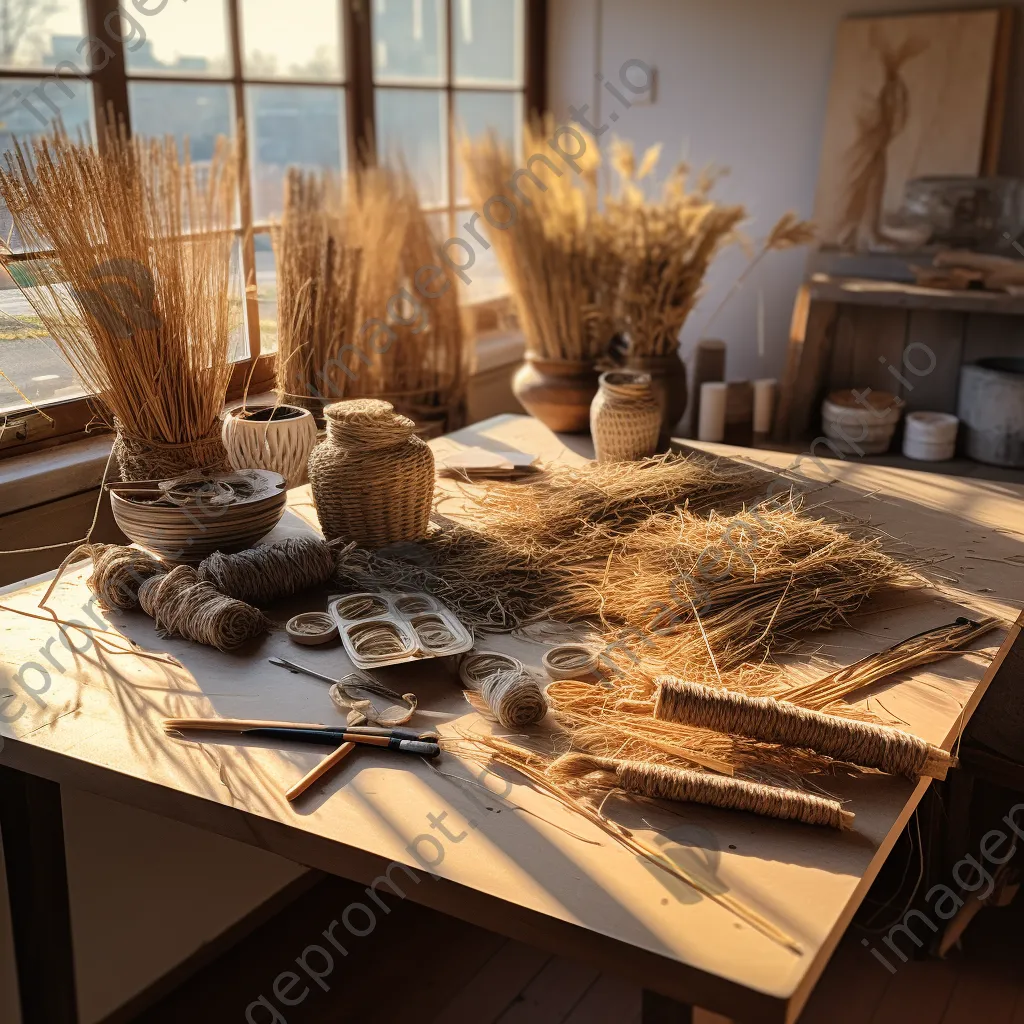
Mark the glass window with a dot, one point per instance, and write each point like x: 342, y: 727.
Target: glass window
x: 478, y: 113
x: 198, y: 111
x: 277, y: 44
x: 41, y: 33
x: 408, y: 41
x: 292, y: 126
x: 412, y: 129
x: 180, y: 39
x: 488, y: 44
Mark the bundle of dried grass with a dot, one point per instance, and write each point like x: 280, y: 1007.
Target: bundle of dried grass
x: 664, y: 247
x: 352, y: 324
x: 557, y: 256
x: 137, y: 294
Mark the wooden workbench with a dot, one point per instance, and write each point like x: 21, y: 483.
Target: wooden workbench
x: 545, y: 877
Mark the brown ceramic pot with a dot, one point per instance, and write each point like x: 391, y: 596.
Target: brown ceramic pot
x: 558, y: 392
x: 668, y: 383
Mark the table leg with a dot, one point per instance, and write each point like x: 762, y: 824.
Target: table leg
x: 661, y: 1010
x: 32, y: 830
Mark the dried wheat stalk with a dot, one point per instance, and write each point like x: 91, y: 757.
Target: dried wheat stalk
x: 138, y: 294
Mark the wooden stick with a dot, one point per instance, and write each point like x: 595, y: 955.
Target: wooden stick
x: 242, y: 724
x: 319, y: 770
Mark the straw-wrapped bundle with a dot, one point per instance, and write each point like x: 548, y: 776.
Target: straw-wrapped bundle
x: 556, y: 257
x: 354, y: 322
x: 137, y: 294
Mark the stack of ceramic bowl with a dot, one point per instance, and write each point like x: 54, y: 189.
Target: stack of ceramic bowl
x: 186, y: 520
x: 930, y: 436
x: 861, y: 422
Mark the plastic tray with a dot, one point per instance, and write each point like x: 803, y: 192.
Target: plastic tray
x: 355, y: 613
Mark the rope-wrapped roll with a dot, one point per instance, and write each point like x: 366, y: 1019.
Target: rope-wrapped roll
x: 774, y: 721
x: 119, y: 572
x: 506, y: 688
x: 263, y: 574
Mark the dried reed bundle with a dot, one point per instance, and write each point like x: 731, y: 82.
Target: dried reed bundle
x: 137, y: 295
x: 347, y: 256
x: 556, y: 256
x: 664, y: 247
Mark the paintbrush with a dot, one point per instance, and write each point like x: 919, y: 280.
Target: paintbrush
x: 315, y: 734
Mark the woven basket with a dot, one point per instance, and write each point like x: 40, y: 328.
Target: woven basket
x: 373, y: 479
x: 144, y: 459
x: 625, y: 417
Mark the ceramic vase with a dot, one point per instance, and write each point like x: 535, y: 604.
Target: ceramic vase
x: 278, y: 438
x: 558, y: 392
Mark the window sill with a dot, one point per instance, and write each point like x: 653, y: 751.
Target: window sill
x: 38, y: 478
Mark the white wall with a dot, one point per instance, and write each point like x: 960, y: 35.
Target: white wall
x: 741, y: 83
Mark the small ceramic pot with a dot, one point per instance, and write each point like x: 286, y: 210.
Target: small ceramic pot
x: 668, y: 383
x: 625, y: 418
x: 278, y: 438
x: 558, y: 392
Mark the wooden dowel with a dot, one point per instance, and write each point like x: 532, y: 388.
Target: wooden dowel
x: 319, y: 770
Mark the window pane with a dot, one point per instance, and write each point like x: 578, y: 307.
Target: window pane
x: 408, y: 41
x: 278, y: 44
x: 41, y: 33
x: 266, y: 293
x: 488, y: 43
x: 292, y: 126
x: 411, y: 128
x: 486, y: 280
x: 29, y: 358
x: 477, y: 113
x: 200, y: 112
x: 29, y: 106
x: 177, y: 38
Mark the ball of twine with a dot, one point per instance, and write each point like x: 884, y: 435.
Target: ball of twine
x: 509, y: 692
x: 119, y: 572
x: 263, y: 574
x: 183, y: 605
x: 367, y: 423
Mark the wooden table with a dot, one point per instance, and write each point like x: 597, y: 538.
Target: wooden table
x: 544, y: 877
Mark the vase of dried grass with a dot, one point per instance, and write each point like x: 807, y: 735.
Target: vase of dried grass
x: 278, y: 438
x: 143, y: 458
x: 668, y: 383
x: 372, y: 477
x: 625, y: 417
x: 558, y: 392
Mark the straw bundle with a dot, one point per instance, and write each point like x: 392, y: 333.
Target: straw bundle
x: 664, y: 247
x: 137, y: 293
x: 556, y: 256
x: 353, y: 323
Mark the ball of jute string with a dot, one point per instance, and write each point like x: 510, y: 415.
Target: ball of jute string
x: 772, y: 721
x: 183, y: 605
x: 140, y: 458
x: 662, y: 782
x: 506, y: 688
x: 119, y: 572
x: 265, y: 573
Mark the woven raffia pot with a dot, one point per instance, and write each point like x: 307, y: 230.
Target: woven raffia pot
x: 373, y: 479
x: 625, y: 418
x: 558, y: 392
x: 278, y: 438
x: 668, y: 382
x: 143, y: 459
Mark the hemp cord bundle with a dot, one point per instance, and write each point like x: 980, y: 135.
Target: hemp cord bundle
x: 361, y: 606
x: 118, y: 573
x: 183, y: 605
x: 378, y: 639
x: 505, y: 687
x: 660, y: 782
x: 263, y: 574
x: 771, y: 721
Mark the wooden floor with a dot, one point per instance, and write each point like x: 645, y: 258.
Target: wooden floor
x: 421, y: 965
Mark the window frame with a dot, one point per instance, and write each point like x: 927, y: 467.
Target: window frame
x: 28, y: 430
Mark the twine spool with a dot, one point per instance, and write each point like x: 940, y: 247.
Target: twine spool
x: 571, y: 661
x: 509, y: 692
x: 261, y: 575
x: 119, y: 572
x: 625, y: 417
x: 140, y: 458
x: 373, y: 479
x: 661, y: 782
x: 183, y: 605
x: 773, y: 721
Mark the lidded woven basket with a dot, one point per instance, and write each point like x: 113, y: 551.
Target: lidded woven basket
x: 625, y: 417
x: 372, y: 477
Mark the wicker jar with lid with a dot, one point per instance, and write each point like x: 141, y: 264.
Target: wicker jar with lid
x: 372, y: 478
x: 625, y: 417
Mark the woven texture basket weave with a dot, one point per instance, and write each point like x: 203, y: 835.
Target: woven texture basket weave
x: 373, y: 479
x: 625, y: 417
